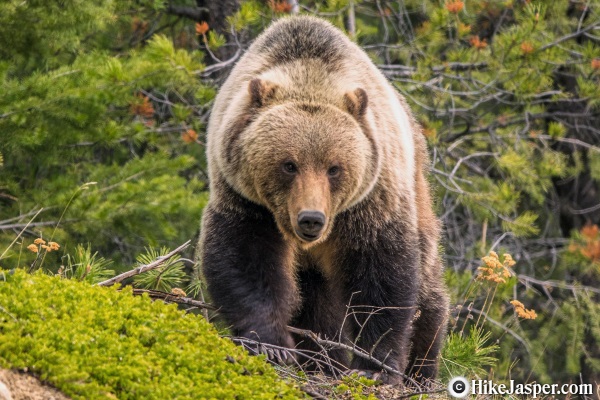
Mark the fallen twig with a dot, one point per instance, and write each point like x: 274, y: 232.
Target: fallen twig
x: 172, y: 298
x: 143, y: 268
x: 357, y: 352
x: 419, y: 393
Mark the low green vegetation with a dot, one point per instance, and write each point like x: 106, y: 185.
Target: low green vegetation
x: 97, y: 343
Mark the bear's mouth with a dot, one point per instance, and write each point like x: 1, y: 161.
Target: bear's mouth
x: 307, y: 237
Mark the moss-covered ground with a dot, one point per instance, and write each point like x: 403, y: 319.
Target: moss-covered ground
x: 97, y: 343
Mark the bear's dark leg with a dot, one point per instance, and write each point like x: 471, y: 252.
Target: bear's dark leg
x: 248, y: 268
x: 429, y: 333
x: 322, y: 312
x: 381, y: 280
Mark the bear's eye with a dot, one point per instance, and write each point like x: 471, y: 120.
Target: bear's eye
x: 333, y: 172
x: 290, y: 168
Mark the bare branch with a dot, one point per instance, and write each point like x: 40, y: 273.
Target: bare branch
x: 356, y: 351
x: 33, y: 224
x: 215, y: 67
x: 193, y: 13
x: 557, y: 284
x: 295, y: 6
x: 351, y: 19
x: 570, y: 36
x: 172, y: 298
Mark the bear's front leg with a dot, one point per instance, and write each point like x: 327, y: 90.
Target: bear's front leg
x: 381, y: 280
x: 248, y: 269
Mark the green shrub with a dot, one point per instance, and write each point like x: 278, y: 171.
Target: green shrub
x: 96, y: 342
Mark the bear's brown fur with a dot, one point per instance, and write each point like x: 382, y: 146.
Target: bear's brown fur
x: 319, y: 204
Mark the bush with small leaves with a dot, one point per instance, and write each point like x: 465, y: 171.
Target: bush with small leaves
x: 96, y: 343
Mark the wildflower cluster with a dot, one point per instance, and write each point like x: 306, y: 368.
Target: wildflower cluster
x: 526, y: 48
x: 455, y: 7
x: 40, y: 244
x: 494, y: 270
x: 202, y: 28
x: 280, y: 6
x: 142, y: 107
x: 590, y: 243
x: 522, y: 311
x: 478, y: 43
x: 189, y: 136
x: 178, y: 292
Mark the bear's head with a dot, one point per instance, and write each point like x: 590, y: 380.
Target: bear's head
x: 304, y: 161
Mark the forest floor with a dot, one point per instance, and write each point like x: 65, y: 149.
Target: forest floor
x: 22, y: 386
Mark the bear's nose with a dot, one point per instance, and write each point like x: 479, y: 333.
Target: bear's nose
x: 310, y: 223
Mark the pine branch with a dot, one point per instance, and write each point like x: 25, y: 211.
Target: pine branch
x: 143, y: 268
x: 570, y: 36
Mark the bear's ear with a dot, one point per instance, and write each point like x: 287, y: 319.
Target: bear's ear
x: 356, y: 102
x: 261, y: 92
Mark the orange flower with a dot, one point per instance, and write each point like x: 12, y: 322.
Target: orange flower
x: 494, y: 270
x: 189, y: 136
x: 39, y: 241
x: 32, y: 248
x: 455, y: 6
x: 517, y: 303
x: 143, y: 107
x: 137, y: 25
x: 521, y: 311
x: 53, y: 245
x: 526, y: 48
x: 589, y: 232
x: 280, y: 6
x: 201, y: 28
x: 478, y: 43
x: 596, y: 63
x: 178, y: 292
x: 589, y: 246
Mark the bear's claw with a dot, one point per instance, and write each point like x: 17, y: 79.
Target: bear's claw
x: 279, y: 356
x: 381, y: 376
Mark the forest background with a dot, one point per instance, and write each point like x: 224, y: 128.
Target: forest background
x: 103, y: 113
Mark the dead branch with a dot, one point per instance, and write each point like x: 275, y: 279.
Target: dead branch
x: 143, y: 268
x: 172, y: 298
x: 557, y: 284
x: 193, y: 13
x: 306, y: 389
x: 353, y: 349
x: 419, y: 393
x: 207, y: 71
x: 32, y: 224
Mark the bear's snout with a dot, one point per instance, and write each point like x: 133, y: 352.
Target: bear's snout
x: 310, y: 224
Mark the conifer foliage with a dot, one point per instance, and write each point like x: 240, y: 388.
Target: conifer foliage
x: 94, y: 94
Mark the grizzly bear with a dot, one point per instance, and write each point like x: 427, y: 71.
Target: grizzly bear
x: 320, y: 215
